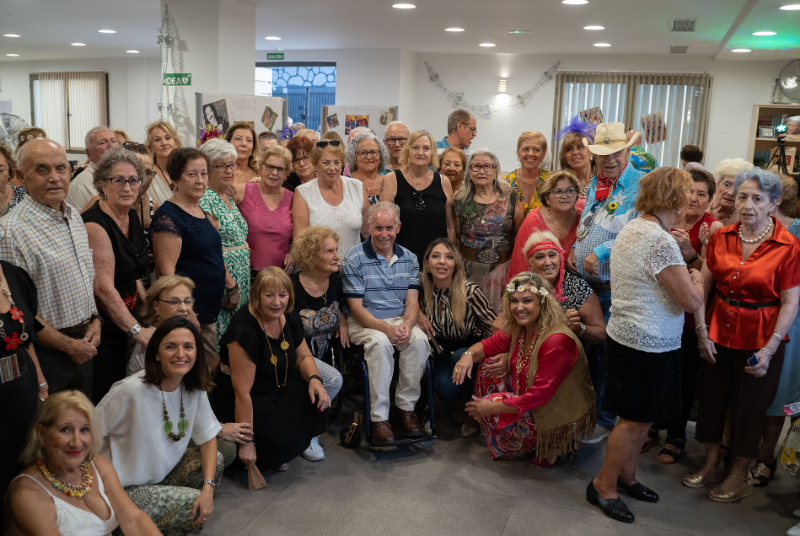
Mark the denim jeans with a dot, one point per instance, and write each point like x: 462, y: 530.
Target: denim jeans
x: 443, y: 384
x: 598, y: 366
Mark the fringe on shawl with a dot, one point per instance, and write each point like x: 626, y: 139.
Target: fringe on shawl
x: 563, y: 439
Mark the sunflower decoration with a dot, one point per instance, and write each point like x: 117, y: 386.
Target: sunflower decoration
x: 611, y: 208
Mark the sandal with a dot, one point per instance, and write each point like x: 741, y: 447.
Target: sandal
x: 760, y: 480
x: 652, y: 438
x: 674, y: 455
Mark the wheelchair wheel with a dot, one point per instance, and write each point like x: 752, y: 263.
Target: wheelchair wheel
x: 350, y: 437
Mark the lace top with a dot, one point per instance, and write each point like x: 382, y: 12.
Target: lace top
x: 643, y: 315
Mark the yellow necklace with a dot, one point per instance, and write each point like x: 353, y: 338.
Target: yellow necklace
x: 273, y: 358
x: 524, y: 356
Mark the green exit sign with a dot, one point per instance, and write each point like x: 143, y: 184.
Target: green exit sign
x: 177, y: 79
x: 274, y: 55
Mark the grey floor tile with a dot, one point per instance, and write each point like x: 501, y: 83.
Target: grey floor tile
x: 235, y: 506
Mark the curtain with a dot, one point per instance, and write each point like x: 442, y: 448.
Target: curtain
x: 52, y: 95
x: 72, y: 104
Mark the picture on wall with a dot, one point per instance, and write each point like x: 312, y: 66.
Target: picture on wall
x: 220, y: 110
x: 342, y: 119
x: 592, y: 115
x: 387, y: 117
x: 269, y: 117
x: 654, y: 129
x: 333, y: 121
x: 790, y: 154
x: 355, y: 121
x: 216, y: 114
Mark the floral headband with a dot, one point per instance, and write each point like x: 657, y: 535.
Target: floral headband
x: 30, y: 137
x: 510, y: 288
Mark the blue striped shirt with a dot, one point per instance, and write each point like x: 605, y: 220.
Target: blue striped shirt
x: 382, y: 284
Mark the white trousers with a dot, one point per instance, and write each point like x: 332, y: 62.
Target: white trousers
x: 379, y: 355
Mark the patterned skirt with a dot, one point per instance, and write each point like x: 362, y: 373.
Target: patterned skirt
x: 237, y: 261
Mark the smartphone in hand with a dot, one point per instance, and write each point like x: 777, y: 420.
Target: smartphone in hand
x: 753, y: 361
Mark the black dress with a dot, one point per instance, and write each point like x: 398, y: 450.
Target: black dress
x: 284, y: 419
x: 292, y: 182
x: 131, y: 259
x: 420, y: 227
x: 321, y: 316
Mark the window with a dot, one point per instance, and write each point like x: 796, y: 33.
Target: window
x: 68, y: 105
x: 307, y: 86
x: 681, y: 100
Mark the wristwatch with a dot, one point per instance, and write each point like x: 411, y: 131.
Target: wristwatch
x: 583, y: 330
x: 210, y: 483
x: 135, y: 329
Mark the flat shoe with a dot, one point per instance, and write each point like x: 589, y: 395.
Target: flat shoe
x: 638, y: 491
x: 282, y: 467
x: 616, y: 509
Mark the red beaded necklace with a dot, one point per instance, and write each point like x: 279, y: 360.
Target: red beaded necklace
x: 66, y: 487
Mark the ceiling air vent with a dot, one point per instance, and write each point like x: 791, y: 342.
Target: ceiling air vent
x: 682, y: 25
x: 678, y: 49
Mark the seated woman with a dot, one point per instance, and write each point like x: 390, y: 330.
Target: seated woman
x: 542, y: 398
x: 318, y: 296
x: 62, y: 453
x: 456, y: 314
x: 173, y: 485
x: 264, y: 343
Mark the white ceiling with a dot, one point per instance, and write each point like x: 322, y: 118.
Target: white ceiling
x: 632, y: 27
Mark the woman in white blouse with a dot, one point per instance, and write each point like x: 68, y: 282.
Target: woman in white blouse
x: 331, y: 200
x: 651, y: 288
x: 147, y: 421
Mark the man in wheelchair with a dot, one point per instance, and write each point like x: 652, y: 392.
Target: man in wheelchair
x: 381, y: 287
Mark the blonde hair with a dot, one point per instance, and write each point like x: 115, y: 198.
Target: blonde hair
x: 456, y: 151
x: 569, y: 140
x: 307, y: 245
x: 280, y: 152
x: 48, y: 412
x: 245, y: 125
x: 271, y: 277
x: 458, y: 284
x: 551, y: 315
x: 166, y: 127
x: 119, y: 131
x: 552, y: 179
x: 664, y: 188
x: 332, y: 135
x: 405, y: 155
x: 11, y: 160
x: 163, y: 284
x: 532, y: 135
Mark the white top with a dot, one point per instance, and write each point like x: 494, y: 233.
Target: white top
x: 136, y: 362
x: 159, y: 190
x: 643, y: 315
x: 74, y: 521
x: 131, y: 416
x: 345, y: 219
x: 82, y: 189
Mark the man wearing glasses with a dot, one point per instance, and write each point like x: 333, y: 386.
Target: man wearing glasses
x: 81, y: 189
x: 397, y: 134
x: 461, y: 129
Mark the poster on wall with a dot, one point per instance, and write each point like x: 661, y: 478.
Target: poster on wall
x: 654, y: 129
x: 592, y: 115
x: 343, y: 119
x: 220, y: 110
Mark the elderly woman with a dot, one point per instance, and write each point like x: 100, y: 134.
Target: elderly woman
x: 332, y: 200
x: 425, y: 198
x: 452, y: 164
x: 302, y: 170
x: 558, y: 214
x: 318, y: 299
x: 651, y: 288
x: 367, y: 158
x: 264, y: 343
x: 752, y: 300
x: 722, y: 207
x: 120, y: 256
x: 224, y: 214
x: 13, y: 194
x: 267, y: 208
x: 487, y: 215
x: 62, y: 450
x: 161, y: 141
x: 528, y: 178
x: 243, y: 137
x: 456, y: 314
x: 175, y: 486
x: 542, y: 397
x: 185, y: 242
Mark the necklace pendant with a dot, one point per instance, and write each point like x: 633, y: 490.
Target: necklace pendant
x: 273, y: 360
x: 284, y: 345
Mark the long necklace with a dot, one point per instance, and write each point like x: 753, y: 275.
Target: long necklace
x: 183, y: 424
x: 759, y: 237
x: 661, y: 223
x: 273, y: 358
x: 13, y: 341
x: 523, y: 357
x: 323, y: 295
x: 66, y: 487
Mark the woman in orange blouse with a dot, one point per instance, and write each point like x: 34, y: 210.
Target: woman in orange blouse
x: 752, y: 280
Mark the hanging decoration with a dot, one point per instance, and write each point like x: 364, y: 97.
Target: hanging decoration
x: 166, y: 42
x: 457, y: 98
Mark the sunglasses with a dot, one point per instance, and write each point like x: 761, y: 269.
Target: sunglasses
x: 332, y: 143
x: 419, y: 202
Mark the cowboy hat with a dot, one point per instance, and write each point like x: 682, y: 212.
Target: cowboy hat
x: 610, y: 138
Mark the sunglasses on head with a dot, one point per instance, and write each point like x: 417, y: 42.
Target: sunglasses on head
x: 332, y: 143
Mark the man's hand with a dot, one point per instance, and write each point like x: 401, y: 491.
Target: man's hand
x: 81, y: 351
x: 591, y: 264
x: 571, y: 261
x: 92, y: 335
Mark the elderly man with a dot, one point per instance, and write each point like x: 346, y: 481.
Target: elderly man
x: 609, y: 206
x: 461, y: 129
x: 397, y: 134
x: 381, y: 284
x: 45, y: 236
x: 81, y: 189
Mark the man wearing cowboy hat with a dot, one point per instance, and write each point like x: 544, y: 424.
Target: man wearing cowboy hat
x: 609, y: 206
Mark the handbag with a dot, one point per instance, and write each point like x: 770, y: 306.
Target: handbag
x: 789, y: 457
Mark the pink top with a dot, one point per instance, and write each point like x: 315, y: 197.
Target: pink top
x: 269, y: 232
x: 557, y: 356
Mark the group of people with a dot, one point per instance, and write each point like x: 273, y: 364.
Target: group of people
x: 191, y: 298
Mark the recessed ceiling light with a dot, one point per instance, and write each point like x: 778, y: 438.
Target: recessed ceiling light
x: 741, y: 50
x: 404, y: 6
x: 791, y: 7
x: 79, y: 44
x: 13, y: 55
x: 107, y: 31
x: 601, y: 45
x: 10, y: 35
x: 519, y: 31
x: 454, y: 29
x: 764, y: 34
x: 574, y: 2
x: 132, y: 51
x: 594, y: 27
x: 272, y: 38
x: 487, y: 45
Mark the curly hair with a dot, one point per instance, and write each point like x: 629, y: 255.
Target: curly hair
x: 244, y: 125
x: 790, y: 204
x: 307, y: 245
x: 112, y: 157
x: 551, y: 315
x: 352, y: 147
x: 300, y: 144
x: 692, y: 153
x: 664, y: 188
x: 279, y: 152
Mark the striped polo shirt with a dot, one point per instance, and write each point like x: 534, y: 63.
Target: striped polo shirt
x: 382, y: 284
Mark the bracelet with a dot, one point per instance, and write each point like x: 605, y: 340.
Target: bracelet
x: 691, y: 261
x: 701, y: 326
x: 777, y: 336
x: 314, y: 376
x: 696, y: 281
x: 467, y: 352
x: 210, y: 483
x: 43, y: 384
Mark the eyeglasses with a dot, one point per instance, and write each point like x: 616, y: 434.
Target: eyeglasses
x: 419, y: 203
x: 365, y: 154
x: 395, y: 141
x: 473, y: 129
x: 175, y: 302
x: 325, y: 143
x: 451, y: 166
x: 305, y: 159
x: 120, y: 182
x: 222, y: 168
x: 150, y: 173
x: 569, y: 192
x: 270, y: 168
x: 486, y: 168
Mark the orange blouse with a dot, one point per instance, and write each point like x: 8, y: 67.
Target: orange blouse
x: 774, y: 266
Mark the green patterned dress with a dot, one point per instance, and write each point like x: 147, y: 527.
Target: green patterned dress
x: 235, y: 251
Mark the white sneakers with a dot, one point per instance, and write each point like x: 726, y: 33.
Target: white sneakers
x: 794, y: 531
x: 314, y: 452
x: 599, y: 434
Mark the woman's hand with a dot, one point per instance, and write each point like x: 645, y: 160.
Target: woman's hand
x: 498, y: 366
x: 344, y: 334
x: 479, y: 407
x: 462, y: 369
x: 230, y: 191
x: 238, y: 432
x: 706, y: 346
x: 763, y: 364
x: 571, y: 261
x: 288, y: 264
x: 684, y: 243
x: 426, y: 326
x: 318, y: 393
x: 232, y: 300
x: 705, y: 233
x: 44, y: 391
x: 203, y: 506
x: 247, y: 454
x: 574, y: 320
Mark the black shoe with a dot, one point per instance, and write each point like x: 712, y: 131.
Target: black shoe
x: 638, y: 491
x: 613, y: 508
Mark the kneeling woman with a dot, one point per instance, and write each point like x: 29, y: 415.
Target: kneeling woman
x: 542, y: 398
x: 148, y: 419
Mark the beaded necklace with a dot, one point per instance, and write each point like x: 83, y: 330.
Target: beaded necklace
x: 14, y: 341
x: 759, y: 237
x: 183, y: 424
x: 523, y: 357
x: 66, y: 487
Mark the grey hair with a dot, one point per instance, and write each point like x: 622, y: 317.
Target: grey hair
x: 112, y: 157
x: 217, y: 149
x: 769, y: 183
x: 731, y: 167
x: 385, y: 206
x: 92, y: 132
x: 353, y: 146
x: 456, y: 117
x: 467, y: 190
x: 397, y: 123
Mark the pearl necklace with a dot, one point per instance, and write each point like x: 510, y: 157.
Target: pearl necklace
x: 759, y: 237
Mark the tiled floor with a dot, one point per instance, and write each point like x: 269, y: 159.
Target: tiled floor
x: 454, y: 488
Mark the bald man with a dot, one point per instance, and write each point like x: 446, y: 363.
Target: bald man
x: 45, y: 236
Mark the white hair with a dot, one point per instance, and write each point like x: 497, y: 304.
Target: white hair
x: 397, y: 123
x: 352, y: 147
x: 731, y: 167
x: 23, y: 152
x: 217, y: 149
x: 384, y: 206
x: 92, y: 132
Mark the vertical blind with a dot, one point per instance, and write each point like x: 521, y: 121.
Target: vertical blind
x: 681, y: 99
x: 72, y: 104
